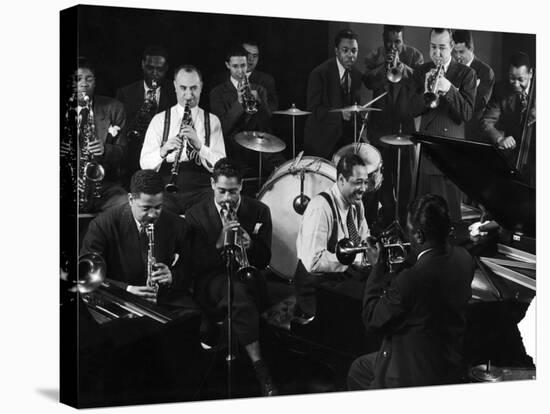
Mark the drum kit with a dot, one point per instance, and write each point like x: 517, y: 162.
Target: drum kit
x: 307, y: 176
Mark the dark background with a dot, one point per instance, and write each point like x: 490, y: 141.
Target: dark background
x: 113, y: 39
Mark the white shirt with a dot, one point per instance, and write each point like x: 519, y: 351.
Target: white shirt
x: 316, y: 229
x: 150, y: 153
x: 147, y: 89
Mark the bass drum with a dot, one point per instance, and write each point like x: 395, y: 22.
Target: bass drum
x: 372, y: 158
x: 279, y: 192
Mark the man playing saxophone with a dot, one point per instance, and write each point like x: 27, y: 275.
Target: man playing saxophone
x: 197, y: 140
x: 102, y: 145
x: 442, y: 93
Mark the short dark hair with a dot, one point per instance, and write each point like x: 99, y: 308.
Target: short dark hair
x: 250, y: 42
x: 344, y: 34
x: 520, y: 59
x: 430, y: 214
x: 83, y: 63
x: 346, y: 164
x: 440, y: 30
x: 188, y: 69
x: 235, y: 50
x: 155, y: 50
x: 146, y: 182
x: 228, y: 169
x: 392, y: 28
x: 464, y: 36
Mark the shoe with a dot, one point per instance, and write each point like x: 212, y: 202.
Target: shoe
x: 301, y: 317
x: 269, y: 389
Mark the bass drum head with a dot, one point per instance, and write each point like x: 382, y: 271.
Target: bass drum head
x: 369, y: 154
x: 278, y: 193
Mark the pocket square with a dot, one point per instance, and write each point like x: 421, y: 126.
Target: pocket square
x: 257, y: 228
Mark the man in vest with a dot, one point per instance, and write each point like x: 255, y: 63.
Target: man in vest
x: 198, y: 141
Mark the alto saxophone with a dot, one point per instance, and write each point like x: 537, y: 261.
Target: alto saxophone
x: 91, y: 171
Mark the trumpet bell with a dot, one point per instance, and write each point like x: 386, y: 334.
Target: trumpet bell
x: 94, y: 171
x: 171, y: 188
x: 247, y: 274
x: 92, y: 271
x: 394, y: 75
x: 345, y: 251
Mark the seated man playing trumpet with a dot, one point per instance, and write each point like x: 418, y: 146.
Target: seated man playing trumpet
x: 215, y: 222
x: 331, y: 216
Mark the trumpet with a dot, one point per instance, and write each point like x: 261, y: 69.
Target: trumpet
x: 394, y: 71
x: 246, y: 271
x: 151, y: 261
x: 145, y: 114
x: 431, y: 97
x: 172, y: 187
x: 91, y: 171
x: 346, y: 251
x: 249, y: 101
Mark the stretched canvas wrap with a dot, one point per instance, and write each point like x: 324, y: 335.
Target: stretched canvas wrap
x: 314, y: 96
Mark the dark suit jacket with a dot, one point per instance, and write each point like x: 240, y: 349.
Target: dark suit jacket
x: 323, y: 129
x: 132, y: 97
x: 422, y: 314
x: 110, y: 112
x: 115, y: 236
x: 486, y: 78
x: 206, y: 226
x: 225, y: 105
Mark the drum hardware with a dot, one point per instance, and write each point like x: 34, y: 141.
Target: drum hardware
x: 260, y: 142
x: 293, y: 112
x: 301, y: 201
x: 486, y: 373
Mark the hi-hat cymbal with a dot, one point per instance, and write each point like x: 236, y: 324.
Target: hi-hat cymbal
x: 292, y: 111
x: 355, y: 108
x: 397, y: 139
x: 260, y: 141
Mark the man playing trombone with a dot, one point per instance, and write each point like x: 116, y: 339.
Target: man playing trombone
x: 224, y: 219
x: 199, y: 143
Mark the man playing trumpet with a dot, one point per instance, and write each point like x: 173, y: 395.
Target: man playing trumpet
x: 200, y: 143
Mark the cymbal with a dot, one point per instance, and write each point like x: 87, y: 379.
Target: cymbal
x: 260, y: 141
x: 292, y: 111
x: 355, y: 108
x: 397, y: 139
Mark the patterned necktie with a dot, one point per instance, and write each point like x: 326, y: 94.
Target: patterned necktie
x: 352, y: 230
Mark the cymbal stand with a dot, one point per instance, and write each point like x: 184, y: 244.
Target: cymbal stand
x: 293, y: 134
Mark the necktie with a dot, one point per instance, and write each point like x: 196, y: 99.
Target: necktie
x: 352, y: 230
x: 345, y: 81
x: 192, y: 154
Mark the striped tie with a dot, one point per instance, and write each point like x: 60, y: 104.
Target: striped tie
x: 352, y: 230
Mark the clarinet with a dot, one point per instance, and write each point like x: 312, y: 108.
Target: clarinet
x: 151, y: 261
x: 172, y: 187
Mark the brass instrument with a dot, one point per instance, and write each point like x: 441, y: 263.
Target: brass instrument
x: 394, y: 72
x: 144, y: 115
x: 172, y: 187
x: 151, y: 261
x: 246, y: 271
x: 249, y: 101
x: 346, y: 250
x: 91, y: 171
x: 431, y: 97
x: 92, y: 271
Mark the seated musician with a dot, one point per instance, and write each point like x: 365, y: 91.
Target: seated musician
x: 503, y: 120
x: 421, y: 311
x: 119, y: 236
x: 100, y: 122
x: 211, y: 224
x: 232, y: 101
x: 197, y: 139
x: 331, y: 216
x: 143, y: 99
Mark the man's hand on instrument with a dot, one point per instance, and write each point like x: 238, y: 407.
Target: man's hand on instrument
x: 247, y: 241
x: 232, y: 225
x: 192, y: 136
x: 373, y: 251
x: 96, y: 148
x: 161, y: 274
x: 506, y: 142
x: 346, y: 116
x: 172, y: 144
x: 443, y: 86
x: 147, y: 292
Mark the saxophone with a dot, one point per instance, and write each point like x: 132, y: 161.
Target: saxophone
x: 172, y: 187
x: 68, y: 175
x: 144, y: 115
x: 91, y: 172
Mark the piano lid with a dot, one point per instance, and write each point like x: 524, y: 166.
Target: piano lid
x: 482, y: 173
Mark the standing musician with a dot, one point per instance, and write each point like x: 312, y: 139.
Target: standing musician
x: 119, y: 236
x: 504, y: 118
x: 211, y: 221
x: 242, y: 105
x: 329, y: 217
x: 100, y: 123
x: 258, y: 77
x: 386, y: 68
x: 463, y: 52
x: 145, y: 98
x: 199, y: 143
x: 421, y: 311
x: 443, y: 94
x: 333, y: 84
